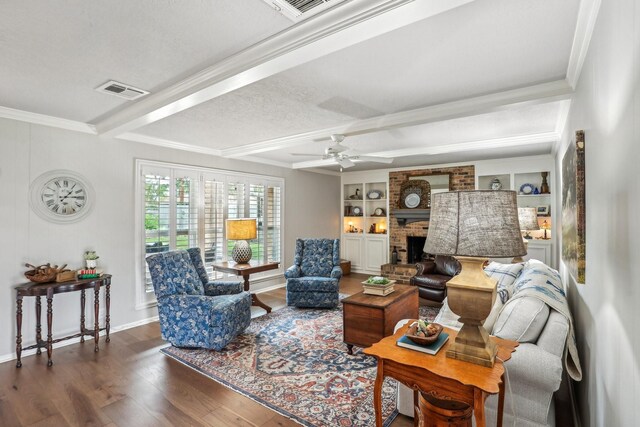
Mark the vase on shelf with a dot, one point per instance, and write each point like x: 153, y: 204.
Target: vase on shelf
x: 544, y: 187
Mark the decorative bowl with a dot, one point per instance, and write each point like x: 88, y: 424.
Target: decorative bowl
x: 411, y: 334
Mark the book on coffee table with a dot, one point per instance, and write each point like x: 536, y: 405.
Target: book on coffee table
x: 378, y: 289
x: 432, y: 348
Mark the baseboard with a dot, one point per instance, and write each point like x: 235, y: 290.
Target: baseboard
x: 12, y: 356
x: 270, y: 288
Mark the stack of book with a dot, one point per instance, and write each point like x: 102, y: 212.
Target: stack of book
x: 92, y: 273
x: 382, y: 290
x: 432, y: 348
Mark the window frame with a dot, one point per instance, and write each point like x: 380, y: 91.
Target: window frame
x: 146, y: 299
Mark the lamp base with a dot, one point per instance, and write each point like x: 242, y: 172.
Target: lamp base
x: 241, y: 253
x: 471, y: 295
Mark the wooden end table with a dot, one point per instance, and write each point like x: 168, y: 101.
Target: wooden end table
x: 246, y: 270
x: 38, y: 290
x: 439, y: 378
x: 369, y: 318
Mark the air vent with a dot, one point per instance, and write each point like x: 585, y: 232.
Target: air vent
x: 121, y: 90
x: 297, y: 10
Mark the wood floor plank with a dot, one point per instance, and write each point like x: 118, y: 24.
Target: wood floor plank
x: 130, y: 383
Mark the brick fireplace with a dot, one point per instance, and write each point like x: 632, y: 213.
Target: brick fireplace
x: 460, y: 178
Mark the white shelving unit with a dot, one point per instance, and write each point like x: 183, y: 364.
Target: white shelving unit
x: 514, y: 176
x: 365, y: 219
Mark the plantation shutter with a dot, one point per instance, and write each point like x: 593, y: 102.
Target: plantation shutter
x: 273, y: 219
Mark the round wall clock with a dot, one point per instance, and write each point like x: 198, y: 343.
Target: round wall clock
x: 61, y: 196
x: 357, y: 211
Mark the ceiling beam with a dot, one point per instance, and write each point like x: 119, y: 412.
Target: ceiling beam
x: 41, y: 119
x: 328, y: 32
x: 531, y: 95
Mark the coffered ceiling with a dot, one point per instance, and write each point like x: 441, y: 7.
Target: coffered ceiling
x: 422, y: 81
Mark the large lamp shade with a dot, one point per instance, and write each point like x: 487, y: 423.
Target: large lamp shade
x: 473, y: 226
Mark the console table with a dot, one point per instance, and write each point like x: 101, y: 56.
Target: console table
x: 438, y: 380
x: 246, y: 270
x: 38, y: 290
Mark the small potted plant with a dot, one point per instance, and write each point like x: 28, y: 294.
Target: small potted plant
x: 91, y: 259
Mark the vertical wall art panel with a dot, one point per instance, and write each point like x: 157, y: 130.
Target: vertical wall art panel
x: 573, y: 208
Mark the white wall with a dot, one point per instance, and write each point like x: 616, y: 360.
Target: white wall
x: 607, y: 308
x: 312, y: 209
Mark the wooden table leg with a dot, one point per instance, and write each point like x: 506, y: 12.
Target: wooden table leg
x: 107, y: 293
x: 82, y: 319
x: 49, y: 327
x: 417, y: 415
x: 18, y: 331
x: 96, y: 323
x: 254, y: 298
x: 377, y: 393
x: 501, y: 401
x: 38, y: 324
x: 478, y: 407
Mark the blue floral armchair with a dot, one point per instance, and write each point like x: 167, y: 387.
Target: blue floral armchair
x: 193, y: 311
x: 313, y: 279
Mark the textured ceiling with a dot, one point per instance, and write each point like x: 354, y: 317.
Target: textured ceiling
x: 55, y: 53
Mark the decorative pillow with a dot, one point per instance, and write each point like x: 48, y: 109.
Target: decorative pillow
x: 522, y: 319
x: 505, y: 274
x: 538, y: 274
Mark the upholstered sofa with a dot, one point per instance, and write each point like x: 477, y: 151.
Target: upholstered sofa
x: 535, y: 369
x: 432, y: 276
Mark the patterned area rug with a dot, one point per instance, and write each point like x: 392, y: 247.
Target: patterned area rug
x: 294, y: 362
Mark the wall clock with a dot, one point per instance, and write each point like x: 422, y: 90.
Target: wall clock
x: 61, y: 196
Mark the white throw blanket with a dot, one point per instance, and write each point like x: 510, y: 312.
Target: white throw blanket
x: 543, y: 282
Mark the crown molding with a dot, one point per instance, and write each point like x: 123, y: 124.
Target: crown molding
x: 325, y: 33
x: 530, y: 95
x: 266, y: 162
x: 167, y: 143
x: 587, y: 16
x: 42, y: 119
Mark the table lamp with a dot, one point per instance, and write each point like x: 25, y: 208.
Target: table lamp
x: 545, y: 226
x: 528, y: 219
x: 241, y: 230
x: 473, y: 226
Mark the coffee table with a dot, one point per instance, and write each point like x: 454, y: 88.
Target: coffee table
x: 369, y: 318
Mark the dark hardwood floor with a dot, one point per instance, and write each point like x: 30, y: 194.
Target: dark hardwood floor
x: 130, y: 383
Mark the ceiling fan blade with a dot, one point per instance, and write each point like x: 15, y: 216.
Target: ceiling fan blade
x: 306, y: 155
x: 372, y: 159
x: 345, y: 163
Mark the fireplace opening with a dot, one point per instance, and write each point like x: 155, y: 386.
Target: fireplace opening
x: 415, y: 244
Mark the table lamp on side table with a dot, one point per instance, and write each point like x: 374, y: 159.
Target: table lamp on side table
x: 473, y: 226
x: 241, y: 230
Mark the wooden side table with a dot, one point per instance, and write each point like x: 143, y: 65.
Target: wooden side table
x: 246, y: 270
x: 369, y: 318
x: 440, y: 378
x: 37, y: 290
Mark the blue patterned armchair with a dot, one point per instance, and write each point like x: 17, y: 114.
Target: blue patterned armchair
x: 193, y: 311
x: 312, y: 281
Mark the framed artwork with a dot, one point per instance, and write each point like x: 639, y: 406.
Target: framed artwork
x: 573, y: 208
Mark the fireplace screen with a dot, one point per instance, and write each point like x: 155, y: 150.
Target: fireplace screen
x: 415, y: 244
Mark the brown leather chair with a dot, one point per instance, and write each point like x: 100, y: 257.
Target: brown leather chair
x: 433, y: 275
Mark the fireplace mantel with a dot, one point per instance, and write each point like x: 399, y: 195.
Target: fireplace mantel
x: 407, y: 216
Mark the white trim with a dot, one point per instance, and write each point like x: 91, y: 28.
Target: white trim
x: 587, y: 16
x: 167, y: 143
x: 270, y: 288
x: 12, y: 356
x: 42, y: 119
x: 328, y: 32
x: 515, y: 98
x: 267, y: 162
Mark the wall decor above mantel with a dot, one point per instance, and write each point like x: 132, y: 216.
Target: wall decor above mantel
x: 415, y: 194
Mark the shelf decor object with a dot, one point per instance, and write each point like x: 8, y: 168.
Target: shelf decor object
x: 496, y: 184
x: 528, y: 219
x: 544, y: 187
x: 474, y: 226
x: 545, y: 226
x: 526, y: 189
x: 241, y: 230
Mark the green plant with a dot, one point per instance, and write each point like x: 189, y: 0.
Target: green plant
x: 90, y: 255
x: 377, y: 280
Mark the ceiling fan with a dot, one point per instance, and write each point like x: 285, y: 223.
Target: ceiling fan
x: 338, y: 153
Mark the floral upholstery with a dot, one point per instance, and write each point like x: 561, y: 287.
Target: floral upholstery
x: 194, y: 313
x: 219, y: 287
x: 313, y: 280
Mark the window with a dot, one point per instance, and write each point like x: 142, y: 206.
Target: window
x: 183, y: 207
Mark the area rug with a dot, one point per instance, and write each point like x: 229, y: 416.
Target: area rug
x: 294, y: 362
